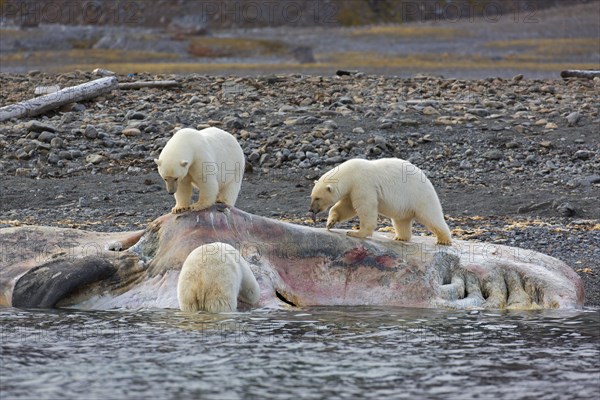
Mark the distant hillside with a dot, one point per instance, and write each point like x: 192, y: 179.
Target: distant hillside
x: 198, y: 15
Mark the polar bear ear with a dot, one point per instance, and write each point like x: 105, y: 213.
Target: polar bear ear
x: 157, y: 161
x: 184, y: 163
x: 329, y: 188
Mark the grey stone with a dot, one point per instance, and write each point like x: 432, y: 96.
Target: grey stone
x: 65, y: 155
x: 36, y: 126
x: 56, y: 142
x: 590, y: 180
x: 480, y: 112
x: 493, y: 155
x: 46, y: 136
x: 83, y: 202
x: 90, y: 132
x: 573, y: 118
x: 566, y: 209
x: 464, y: 164
x: 131, y: 132
x: 255, y: 155
x: 135, y: 115
x: 583, y: 154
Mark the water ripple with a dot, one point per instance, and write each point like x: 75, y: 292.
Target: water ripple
x: 353, y: 352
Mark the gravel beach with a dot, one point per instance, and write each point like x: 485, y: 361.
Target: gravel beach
x: 515, y: 161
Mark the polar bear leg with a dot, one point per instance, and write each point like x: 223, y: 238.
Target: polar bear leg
x: 403, y: 228
x: 366, y: 209
x: 249, y: 289
x: 208, y: 194
x: 340, y: 212
x: 228, y: 194
x: 437, y: 226
x: 183, y: 196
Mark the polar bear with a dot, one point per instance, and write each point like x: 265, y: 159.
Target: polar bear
x: 391, y: 187
x: 210, y: 159
x: 212, y: 278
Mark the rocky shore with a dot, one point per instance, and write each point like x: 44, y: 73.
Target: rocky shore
x: 515, y: 161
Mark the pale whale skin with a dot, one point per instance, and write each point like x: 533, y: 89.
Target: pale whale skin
x: 294, y: 265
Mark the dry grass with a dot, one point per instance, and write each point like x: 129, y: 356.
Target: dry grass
x: 238, y: 47
x: 549, y: 49
x: 76, y: 56
x: 408, y: 31
x: 444, y: 60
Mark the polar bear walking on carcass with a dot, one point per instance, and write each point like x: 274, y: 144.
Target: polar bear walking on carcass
x: 391, y: 187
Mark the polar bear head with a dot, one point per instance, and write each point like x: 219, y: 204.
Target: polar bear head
x: 172, y: 172
x: 323, y: 196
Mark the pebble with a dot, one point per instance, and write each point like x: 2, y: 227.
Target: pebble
x: 573, y: 118
x: 131, y: 132
x: 94, y: 158
x: 90, y: 132
x: 46, y: 136
x: 583, y: 154
x: 493, y: 155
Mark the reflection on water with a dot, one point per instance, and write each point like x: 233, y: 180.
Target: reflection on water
x: 333, y: 352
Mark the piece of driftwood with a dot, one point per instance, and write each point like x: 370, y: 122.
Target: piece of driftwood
x: 42, y: 104
x: 577, y: 73
x: 147, y: 84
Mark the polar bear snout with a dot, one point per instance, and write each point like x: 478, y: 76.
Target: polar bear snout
x: 171, y: 184
x: 315, y: 207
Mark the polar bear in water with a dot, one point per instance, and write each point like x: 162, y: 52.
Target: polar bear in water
x: 212, y: 277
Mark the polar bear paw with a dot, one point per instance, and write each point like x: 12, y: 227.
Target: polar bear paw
x: 357, y: 234
x: 331, y: 222
x: 179, y: 210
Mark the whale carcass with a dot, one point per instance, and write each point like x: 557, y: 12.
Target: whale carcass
x: 294, y: 265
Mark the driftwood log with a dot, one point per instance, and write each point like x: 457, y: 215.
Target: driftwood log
x: 293, y: 264
x: 576, y: 73
x: 40, y: 105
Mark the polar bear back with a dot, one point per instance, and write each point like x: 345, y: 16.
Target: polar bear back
x: 398, y: 183
x: 212, y: 277
x: 210, y: 150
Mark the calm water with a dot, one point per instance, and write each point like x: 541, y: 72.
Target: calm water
x: 301, y: 354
